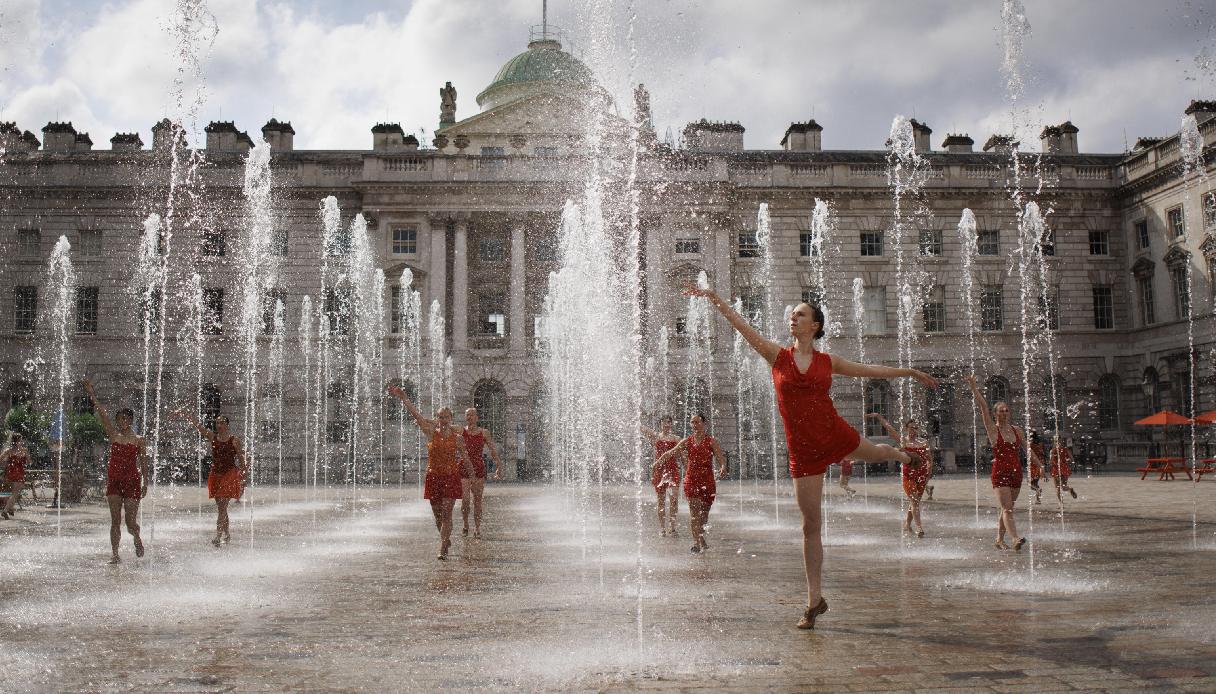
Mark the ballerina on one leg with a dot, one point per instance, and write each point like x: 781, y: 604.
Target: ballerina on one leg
x: 913, y: 476
x: 816, y: 436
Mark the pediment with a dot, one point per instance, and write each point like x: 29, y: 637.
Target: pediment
x: 1144, y: 267
x: 1207, y: 246
x: 1176, y: 256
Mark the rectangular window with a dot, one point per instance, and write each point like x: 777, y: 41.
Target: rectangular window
x: 874, y: 306
x: 1174, y: 221
x: 1109, y: 403
x: 493, y: 152
x: 1049, y: 317
x: 405, y: 240
x: 278, y: 243
x: 395, y: 307
x: 213, y: 311
x: 213, y: 244
x: 1104, y: 308
x: 1048, y: 242
x: 86, y: 310
x: 150, y: 312
x: 991, y: 317
x: 338, y: 310
x: 807, y: 247
x: 1141, y: 229
x: 934, y: 312
x: 988, y: 242
x: 89, y: 245
x: 688, y: 246
x: 749, y: 247
x: 27, y: 243
x: 1182, y: 295
x: 492, y: 315
x: 492, y: 250
x: 270, y: 303
x: 1208, y: 203
x: 930, y: 243
x: 682, y: 326
x: 1099, y: 244
x: 871, y: 243
x: 1145, y: 292
x: 25, y: 309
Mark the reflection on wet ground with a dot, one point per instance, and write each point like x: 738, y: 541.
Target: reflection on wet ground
x: 345, y: 594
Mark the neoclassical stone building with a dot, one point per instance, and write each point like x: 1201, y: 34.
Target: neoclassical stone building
x: 474, y: 216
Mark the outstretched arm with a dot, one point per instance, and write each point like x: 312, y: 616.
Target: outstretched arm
x: 768, y: 349
x: 887, y: 426
x: 427, y: 425
x: 650, y: 433
x: 845, y: 367
x: 721, y: 457
x: 673, y: 451
x: 99, y: 409
x: 494, y: 455
x: 983, y: 406
x: 181, y: 413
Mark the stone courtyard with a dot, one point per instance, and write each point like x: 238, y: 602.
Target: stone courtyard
x: 344, y: 594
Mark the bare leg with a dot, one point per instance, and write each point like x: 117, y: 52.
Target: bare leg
x: 915, y: 512
x: 868, y: 452
x: 1006, y: 497
x: 116, y: 524
x: 466, y: 501
x: 660, y: 500
x: 445, y: 526
x: 221, y: 520
x: 437, y: 511
x: 807, y: 492
x: 478, y: 487
x: 14, y: 493
x: 131, y: 511
x: 673, y: 507
x: 696, y: 522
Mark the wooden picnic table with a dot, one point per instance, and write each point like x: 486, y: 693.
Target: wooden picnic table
x: 1165, y: 467
x: 1205, y: 468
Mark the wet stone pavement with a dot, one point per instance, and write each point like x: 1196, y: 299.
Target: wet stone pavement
x: 344, y: 594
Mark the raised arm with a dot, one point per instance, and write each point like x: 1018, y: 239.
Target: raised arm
x: 887, y: 426
x: 983, y: 406
x: 181, y: 413
x: 768, y: 349
x: 845, y: 367
x: 99, y: 409
x: 494, y: 454
x: 650, y: 433
x: 427, y: 425
x: 721, y: 457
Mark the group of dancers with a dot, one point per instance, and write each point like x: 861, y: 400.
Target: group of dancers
x: 816, y: 437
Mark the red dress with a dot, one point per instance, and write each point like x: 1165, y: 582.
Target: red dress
x: 443, y: 479
x: 816, y: 436
x: 1061, y: 459
x: 1007, y: 472
x: 667, y: 473
x: 473, y: 446
x: 224, y: 480
x: 122, y: 475
x: 914, y: 477
x: 699, y: 472
x: 1036, y: 468
x: 14, y: 472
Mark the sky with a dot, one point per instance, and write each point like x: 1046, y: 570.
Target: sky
x: 1118, y: 69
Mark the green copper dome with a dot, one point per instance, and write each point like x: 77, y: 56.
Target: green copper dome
x: 544, y: 61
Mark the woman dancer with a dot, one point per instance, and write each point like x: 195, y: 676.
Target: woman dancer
x: 816, y: 436
x: 1007, y: 474
x: 915, y: 475
x: 700, y: 489
x: 1061, y: 464
x: 476, y: 438
x: 127, y: 474
x: 445, y: 456
x: 665, y: 476
x: 14, y: 459
x: 227, y: 478
x: 847, y: 472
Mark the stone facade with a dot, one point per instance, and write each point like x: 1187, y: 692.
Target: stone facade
x: 475, y: 219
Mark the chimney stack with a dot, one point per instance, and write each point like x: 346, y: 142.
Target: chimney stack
x: 126, y: 142
x: 802, y: 137
x: 388, y: 137
x: 706, y: 136
x: 278, y: 135
x: 921, y: 135
x: 59, y: 137
x: 1050, y: 139
x: 1000, y: 144
x: 958, y: 143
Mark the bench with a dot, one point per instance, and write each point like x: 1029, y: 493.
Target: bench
x: 1165, y: 467
x: 1204, y: 468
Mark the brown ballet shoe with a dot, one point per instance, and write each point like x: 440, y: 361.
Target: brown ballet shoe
x: 114, y: 560
x: 1019, y: 545
x: 1001, y: 544
x: 920, y: 533
x: 216, y: 542
x: 809, y: 616
x: 139, y: 547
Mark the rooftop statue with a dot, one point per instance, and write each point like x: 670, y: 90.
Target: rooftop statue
x: 447, y: 103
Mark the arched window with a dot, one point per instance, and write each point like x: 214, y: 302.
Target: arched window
x: 393, y: 407
x: 490, y: 400
x: 1109, y: 402
x: 997, y: 389
x: 876, y: 397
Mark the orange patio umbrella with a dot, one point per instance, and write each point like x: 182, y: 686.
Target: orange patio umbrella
x: 1165, y: 418
x: 1207, y: 417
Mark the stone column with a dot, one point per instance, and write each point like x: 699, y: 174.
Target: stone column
x: 516, y: 312
x: 460, y: 286
x: 437, y: 283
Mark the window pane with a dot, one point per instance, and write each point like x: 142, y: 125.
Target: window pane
x: 1098, y: 243
x: 27, y: 243
x: 749, y: 247
x: 686, y: 245
x: 934, y: 312
x: 991, y: 317
x: 987, y: 242
x: 807, y: 246
x: 871, y: 243
x: 89, y: 245
x: 1104, y: 308
x: 1174, y: 219
x: 931, y: 243
x: 25, y: 309
x: 213, y: 243
x: 1182, y: 293
x: 1145, y: 288
x: 213, y: 311
x: 86, y: 310
x: 874, y: 304
x: 492, y: 250
x: 405, y: 240
x: 1109, y: 403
